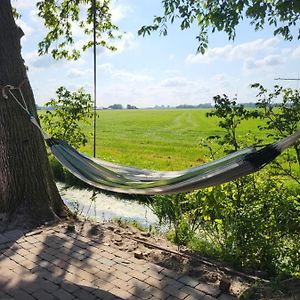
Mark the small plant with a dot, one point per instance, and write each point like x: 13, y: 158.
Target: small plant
x: 64, y: 119
x: 281, y: 111
x: 230, y: 115
x: 65, y: 115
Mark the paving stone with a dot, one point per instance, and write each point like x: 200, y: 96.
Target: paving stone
x: 173, y: 283
x: 173, y: 291
x: 193, y: 297
x: 26, y: 245
x: 42, y: 295
x: 3, y: 239
x: 100, y: 294
x: 46, y: 256
x: 3, y: 247
x: 17, y: 258
x: 120, y: 283
x: 22, y: 252
x: 55, y: 265
x: 208, y: 289
x: 158, y: 293
x: 13, y: 235
x: 193, y: 294
x: 154, y: 274
x: 106, y: 261
x: 32, y: 286
x: 21, y: 295
x: 122, y: 275
x: 69, y: 287
x: 8, y: 264
x: 31, y: 239
x: 123, y: 268
x: 138, y: 275
x: 48, y: 286
x: 133, y: 282
x: 4, y: 296
x: 84, y: 295
x: 122, y: 254
x: 170, y: 273
x: 155, y: 268
x: 140, y: 293
x: 104, y: 285
x: 63, y: 295
x: 107, y: 255
x: 156, y: 283
x: 226, y: 297
x: 120, y: 293
x: 207, y: 297
x: 188, y: 281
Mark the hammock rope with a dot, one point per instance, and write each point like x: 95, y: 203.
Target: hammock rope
x: 8, y: 90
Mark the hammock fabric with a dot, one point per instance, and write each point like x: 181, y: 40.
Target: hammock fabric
x: 123, y: 179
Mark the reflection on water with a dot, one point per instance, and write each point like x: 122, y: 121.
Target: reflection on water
x: 105, y: 207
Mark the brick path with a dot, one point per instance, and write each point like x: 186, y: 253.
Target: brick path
x: 55, y: 264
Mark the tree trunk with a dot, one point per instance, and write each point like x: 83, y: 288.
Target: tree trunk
x: 26, y: 182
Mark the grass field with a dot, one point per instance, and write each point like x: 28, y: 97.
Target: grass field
x: 156, y: 139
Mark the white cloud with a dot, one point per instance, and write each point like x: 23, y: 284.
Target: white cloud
x: 296, y: 52
x: 35, y: 62
x: 23, y: 4
x: 76, y: 73
x: 218, y: 77
x: 174, y: 82
x: 171, y: 57
x: 222, y: 80
x: 124, y: 75
x: 231, y: 52
x: 269, y: 61
x: 107, y: 67
x: 127, y: 42
x: 119, y: 11
x: 171, y: 72
x: 43, y: 62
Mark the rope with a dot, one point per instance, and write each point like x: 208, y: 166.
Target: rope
x: 8, y: 90
x: 24, y: 105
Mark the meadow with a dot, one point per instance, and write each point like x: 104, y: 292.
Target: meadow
x: 167, y: 139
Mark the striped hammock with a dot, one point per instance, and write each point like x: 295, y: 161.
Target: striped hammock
x: 128, y: 180
x: 123, y: 179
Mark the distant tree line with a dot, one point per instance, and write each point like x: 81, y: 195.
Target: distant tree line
x: 204, y: 105
x: 120, y: 106
x: 181, y: 106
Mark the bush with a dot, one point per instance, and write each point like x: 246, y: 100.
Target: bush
x: 253, y: 222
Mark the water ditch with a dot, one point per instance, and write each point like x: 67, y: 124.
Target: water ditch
x: 106, y: 207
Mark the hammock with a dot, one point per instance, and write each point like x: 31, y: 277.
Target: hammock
x: 128, y: 180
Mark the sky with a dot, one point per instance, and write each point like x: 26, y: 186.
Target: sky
x: 161, y: 70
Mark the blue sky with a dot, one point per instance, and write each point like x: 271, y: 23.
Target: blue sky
x: 160, y: 70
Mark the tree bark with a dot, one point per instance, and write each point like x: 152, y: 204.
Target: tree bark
x: 26, y: 182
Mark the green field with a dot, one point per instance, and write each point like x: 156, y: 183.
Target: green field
x: 156, y: 139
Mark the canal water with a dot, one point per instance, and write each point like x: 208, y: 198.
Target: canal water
x: 106, y: 207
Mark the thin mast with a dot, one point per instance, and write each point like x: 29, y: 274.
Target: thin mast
x: 95, y: 74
